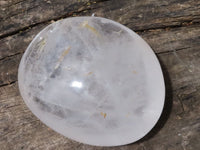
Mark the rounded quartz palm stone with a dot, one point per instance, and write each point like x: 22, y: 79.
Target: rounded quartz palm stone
x: 92, y: 80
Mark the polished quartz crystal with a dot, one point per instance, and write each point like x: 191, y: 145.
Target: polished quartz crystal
x: 92, y: 80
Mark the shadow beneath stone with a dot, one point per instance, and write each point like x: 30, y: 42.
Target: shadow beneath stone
x: 167, y: 106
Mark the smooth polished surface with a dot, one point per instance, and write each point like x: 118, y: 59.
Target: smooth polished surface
x: 92, y: 80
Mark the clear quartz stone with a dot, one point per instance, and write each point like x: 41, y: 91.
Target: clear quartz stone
x: 92, y: 80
